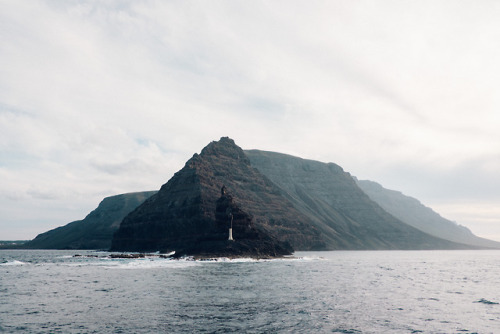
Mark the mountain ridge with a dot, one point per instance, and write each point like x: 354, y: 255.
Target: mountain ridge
x: 416, y: 214
x: 96, y: 229
x: 288, y: 201
x: 338, y: 207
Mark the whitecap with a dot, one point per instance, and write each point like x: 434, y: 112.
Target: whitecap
x: 254, y: 260
x: 308, y: 258
x: 13, y: 263
x: 244, y: 259
x: 102, y: 263
x: 152, y: 263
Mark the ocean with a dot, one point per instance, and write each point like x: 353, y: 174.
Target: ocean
x: 313, y: 292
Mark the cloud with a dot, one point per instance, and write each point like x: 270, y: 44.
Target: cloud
x: 101, y: 98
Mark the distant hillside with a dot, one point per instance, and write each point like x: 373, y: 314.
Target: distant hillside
x: 96, y: 230
x: 335, y: 205
x: 414, y: 213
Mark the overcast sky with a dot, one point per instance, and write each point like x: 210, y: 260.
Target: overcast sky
x: 99, y: 98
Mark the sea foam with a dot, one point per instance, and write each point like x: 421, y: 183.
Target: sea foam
x: 151, y: 263
x: 13, y: 263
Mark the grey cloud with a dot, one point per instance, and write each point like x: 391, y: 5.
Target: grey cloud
x: 130, y: 167
x: 468, y: 180
x: 119, y: 95
x: 44, y: 194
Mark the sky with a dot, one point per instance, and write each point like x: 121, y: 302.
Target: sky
x: 99, y: 98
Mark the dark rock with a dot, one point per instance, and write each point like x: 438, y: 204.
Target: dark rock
x: 486, y: 301
x: 127, y: 256
x: 229, y: 215
x: 86, y: 256
x: 187, y: 215
x: 246, y: 240
x: 260, y: 248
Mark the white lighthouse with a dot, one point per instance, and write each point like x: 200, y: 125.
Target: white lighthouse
x: 231, y: 228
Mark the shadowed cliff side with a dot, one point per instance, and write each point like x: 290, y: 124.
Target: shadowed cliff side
x: 183, y: 213
x: 235, y: 235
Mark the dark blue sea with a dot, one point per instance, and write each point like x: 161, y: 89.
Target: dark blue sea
x: 320, y: 292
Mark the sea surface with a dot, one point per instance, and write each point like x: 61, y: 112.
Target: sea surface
x: 314, y: 292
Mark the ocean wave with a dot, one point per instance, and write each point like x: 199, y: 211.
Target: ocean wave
x: 185, y: 262
x: 13, y: 263
x: 253, y: 260
x: 151, y: 263
x: 307, y: 258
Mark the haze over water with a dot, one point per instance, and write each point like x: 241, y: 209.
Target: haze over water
x: 322, y: 292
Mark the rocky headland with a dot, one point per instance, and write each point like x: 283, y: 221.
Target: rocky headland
x: 188, y: 214
x: 273, y: 203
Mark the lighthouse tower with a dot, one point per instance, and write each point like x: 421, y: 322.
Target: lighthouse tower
x: 231, y: 228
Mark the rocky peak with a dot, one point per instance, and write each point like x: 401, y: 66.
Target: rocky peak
x: 224, y: 148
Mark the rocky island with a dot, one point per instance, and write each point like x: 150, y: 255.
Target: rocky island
x: 190, y: 215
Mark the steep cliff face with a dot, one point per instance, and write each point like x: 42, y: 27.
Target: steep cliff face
x: 414, y: 213
x: 345, y: 215
x: 96, y: 230
x: 183, y: 213
x: 235, y: 235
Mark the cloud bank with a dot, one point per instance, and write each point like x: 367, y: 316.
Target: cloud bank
x: 100, y: 98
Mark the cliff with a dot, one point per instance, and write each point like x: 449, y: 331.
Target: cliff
x: 336, y: 206
x: 183, y: 214
x: 95, y: 231
x: 414, y: 213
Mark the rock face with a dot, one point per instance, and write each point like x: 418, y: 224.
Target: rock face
x: 96, y: 230
x: 228, y: 215
x: 336, y: 206
x: 414, y: 213
x: 189, y: 212
x: 235, y: 235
